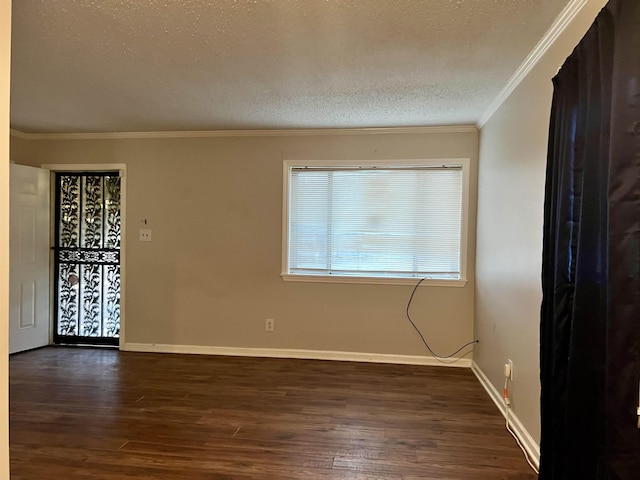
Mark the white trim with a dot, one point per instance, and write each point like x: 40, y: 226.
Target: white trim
x: 530, y: 445
x: 289, y: 277
x: 559, y: 25
x: 121, y: 168
x: 294, y: 353
x: 87, y: 167
x: 297, y: 132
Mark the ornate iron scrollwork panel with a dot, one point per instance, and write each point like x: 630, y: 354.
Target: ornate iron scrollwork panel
x: 88, y: 256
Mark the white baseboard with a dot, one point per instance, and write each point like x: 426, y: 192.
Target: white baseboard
x: 530, y: 445
x: 290, y: 353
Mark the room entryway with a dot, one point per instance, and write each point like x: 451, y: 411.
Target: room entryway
x: 87, y: 258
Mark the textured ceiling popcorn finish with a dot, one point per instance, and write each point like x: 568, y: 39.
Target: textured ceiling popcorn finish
x: 149, y: 65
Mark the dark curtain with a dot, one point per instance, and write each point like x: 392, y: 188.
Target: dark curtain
x: 590, y: 315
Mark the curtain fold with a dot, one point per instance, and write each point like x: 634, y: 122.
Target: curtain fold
x: 590, y: 314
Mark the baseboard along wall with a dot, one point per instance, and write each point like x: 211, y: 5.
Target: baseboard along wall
x: 530, y: 445
x: 292, y: 353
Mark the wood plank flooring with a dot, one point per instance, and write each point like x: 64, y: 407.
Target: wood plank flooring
x: 80, y: 413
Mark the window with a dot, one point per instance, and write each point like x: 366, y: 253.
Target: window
x: 375, y: 222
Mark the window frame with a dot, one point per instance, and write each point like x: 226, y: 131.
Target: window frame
x: 288, y: 165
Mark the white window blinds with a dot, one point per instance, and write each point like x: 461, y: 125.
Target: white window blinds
x: 375, y: 222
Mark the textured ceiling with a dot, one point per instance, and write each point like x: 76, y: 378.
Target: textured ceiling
x: 149, y: 65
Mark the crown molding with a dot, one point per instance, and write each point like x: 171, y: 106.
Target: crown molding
x: 559, y: 25
x: 299, y: 132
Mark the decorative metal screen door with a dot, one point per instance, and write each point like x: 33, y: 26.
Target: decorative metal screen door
x: 87, y: 258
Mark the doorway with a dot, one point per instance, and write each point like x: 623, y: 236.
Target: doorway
x: 87, y: 241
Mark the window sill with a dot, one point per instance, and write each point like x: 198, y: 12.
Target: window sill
x: 287, y: 277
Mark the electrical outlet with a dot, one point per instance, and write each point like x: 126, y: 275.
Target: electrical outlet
x: 269, y: 325
x: 145, y: 235
x: 510, y: 363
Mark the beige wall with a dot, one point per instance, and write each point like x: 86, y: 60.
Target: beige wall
x: 513, y: 151
x: 211, y: 274
x: 5, y: 64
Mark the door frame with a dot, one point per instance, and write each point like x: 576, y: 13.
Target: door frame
x: 121, y: 168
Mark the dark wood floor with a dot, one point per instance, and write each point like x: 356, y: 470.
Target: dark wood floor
x: 103, y: 414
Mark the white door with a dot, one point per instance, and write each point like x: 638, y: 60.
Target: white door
x: 29, y: 258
